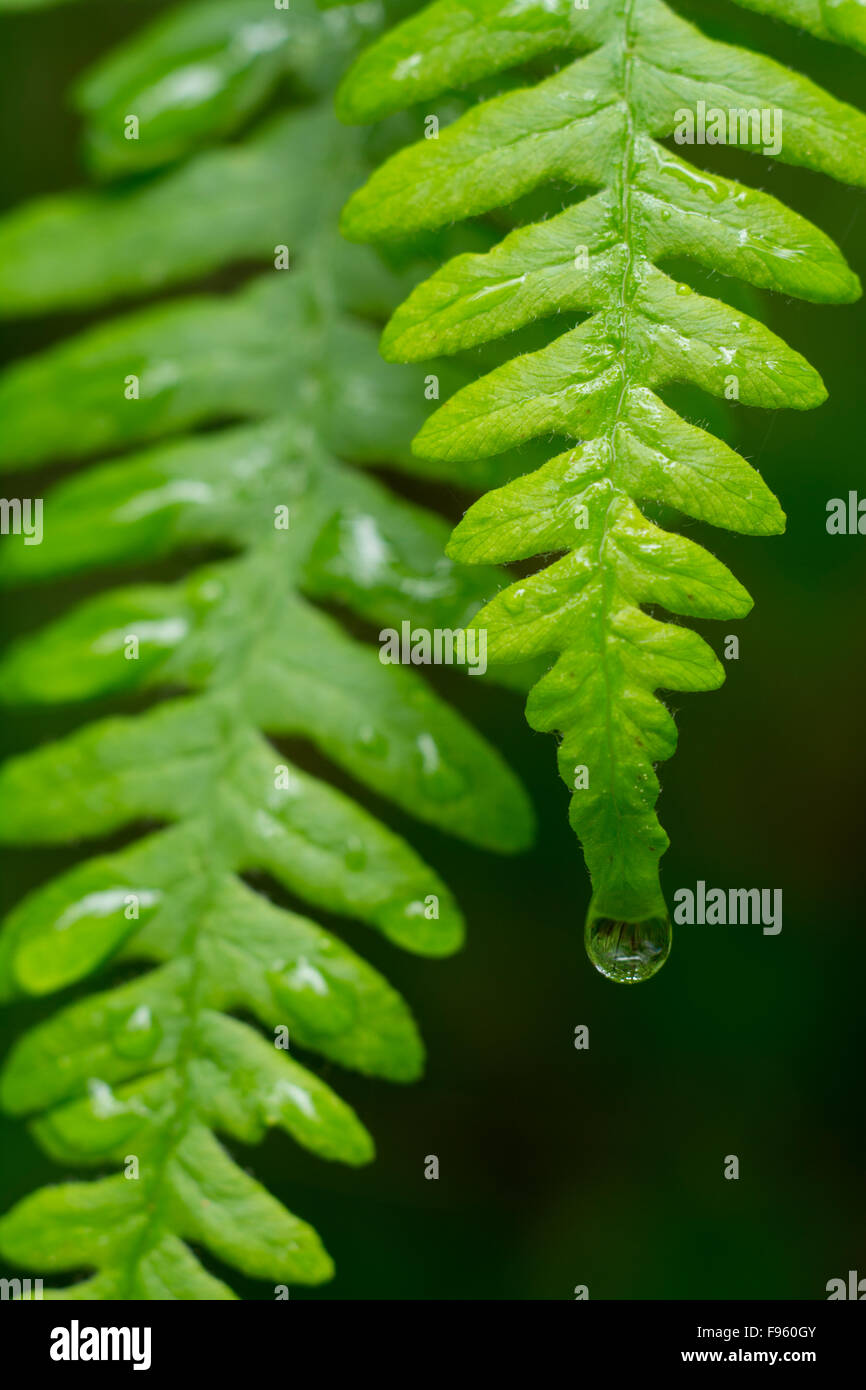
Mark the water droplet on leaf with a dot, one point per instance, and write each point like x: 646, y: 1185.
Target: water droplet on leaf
x: 546, y: 600
x: 439, y: 781
x: 136, y: 1035
x: 356, y: 856
x: 445, y: 784
x: 371, y: 741
x: 514, y: 600
x: 315, y: 999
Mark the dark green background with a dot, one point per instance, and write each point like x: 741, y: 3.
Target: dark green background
x: 604, y: 1167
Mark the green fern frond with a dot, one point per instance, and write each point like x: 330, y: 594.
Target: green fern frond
x: 138, y: 1080
x: 600, y: 122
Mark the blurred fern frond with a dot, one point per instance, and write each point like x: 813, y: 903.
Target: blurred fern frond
x: 229, y: 423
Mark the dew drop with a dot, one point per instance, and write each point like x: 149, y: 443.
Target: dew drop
x: 444, y: 784
x: 547, y: 600
x: 514, y: 600
x: 439, y: 780
x: 356, y: 855
x: 104, y: 1104
x: 371, y: 741
x: 628, y: 952
x: 316, y: 1000
x: 136, y: 1035
x: 684, y: 289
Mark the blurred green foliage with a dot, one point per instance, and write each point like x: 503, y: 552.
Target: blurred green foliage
x: 604, y: 1167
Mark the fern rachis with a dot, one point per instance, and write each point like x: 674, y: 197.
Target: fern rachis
x: 601, y: 122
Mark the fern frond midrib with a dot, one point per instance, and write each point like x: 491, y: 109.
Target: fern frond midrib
x: 621, y: 307
x: 183, y: 1112
x: 623, y: 200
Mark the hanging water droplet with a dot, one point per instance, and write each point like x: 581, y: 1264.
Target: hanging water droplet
x: 684, y: 289
x: 136, y: 1035
x: 628, y: 952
